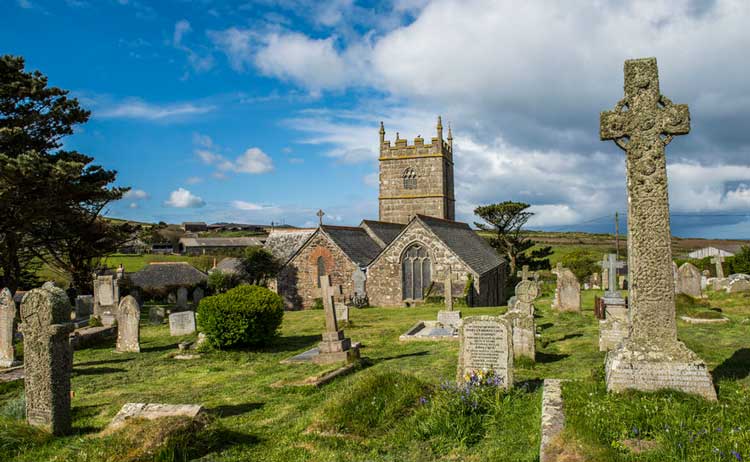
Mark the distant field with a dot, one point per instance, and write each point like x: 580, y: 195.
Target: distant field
x: 133, y: 263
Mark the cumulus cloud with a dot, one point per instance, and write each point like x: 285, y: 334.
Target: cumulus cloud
x: 253, y: 160
x: 136, y: 194
x: 182, y: 198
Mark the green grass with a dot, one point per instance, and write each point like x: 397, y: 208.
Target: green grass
x: 395, y: 409
x: 133, y: 263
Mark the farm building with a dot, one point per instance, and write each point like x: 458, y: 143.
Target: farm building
x: 194, y: 226
x: 723, y: 250
x: 207, y: 245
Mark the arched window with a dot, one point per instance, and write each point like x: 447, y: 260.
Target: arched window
x: 321, y: 270
x: 416, y: 272
x: 410, y: 178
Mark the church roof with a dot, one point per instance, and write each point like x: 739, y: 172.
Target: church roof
x: 465, y: 242
x: 356, y: 243
x: 382, y: 231
x: 284, y: 243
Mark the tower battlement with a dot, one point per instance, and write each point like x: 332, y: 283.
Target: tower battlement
x: 416, y: 178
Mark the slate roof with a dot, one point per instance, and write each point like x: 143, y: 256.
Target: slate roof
x: 382, y: 231
x: 191, y: 242
x: 465, y: 242
x: 163, y: 275
x: 284, y: 243
x: 229, y: 265
x: 354, y: 242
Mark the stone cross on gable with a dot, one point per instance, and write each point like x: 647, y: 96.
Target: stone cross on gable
x: 718, y: 260
x: 320, y: 215
x: 642, y: 124
x: 328, y: 291
x: 525, y: 274
x: 612, y: 265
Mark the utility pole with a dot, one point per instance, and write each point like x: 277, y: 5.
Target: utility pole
x: 617, y: 235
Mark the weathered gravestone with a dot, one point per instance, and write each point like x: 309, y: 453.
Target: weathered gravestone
x: 150, y: 411
x: 520, y: 317
x: 334, y: 347
x: 689, y: 280
x: 198, y: 295
x: 342, y: 312
x: 84, y: 306
x: 181, y: 323
x: 737, y: 285
x: 7, y: 329
x: 448, y: 317
x: 567, y: 290
x: 171, y: 298
x: 651, y: 357
x: 156, y: 315
x: 705, y: 275
x: 182, y: 298
x: 128, y: 326
x: 48, y: 358
x: 485, y: 345
x: 359, y: 279
x: 718, y: 260
x: 106, y: 295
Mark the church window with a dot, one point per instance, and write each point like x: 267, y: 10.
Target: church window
x: 410, y: 178
x: 416, y: 272
x: 321, y: 269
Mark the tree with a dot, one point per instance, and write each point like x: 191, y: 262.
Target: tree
x: 581, y: 263
x: 506, y: 221
x: 259, y: 265
x: 47, y: 194
x: 740, y: 263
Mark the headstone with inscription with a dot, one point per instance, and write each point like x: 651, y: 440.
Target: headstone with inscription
x: 359, y: 279
x: 181, y: 323
x: 485, y: 345
x: 106, y: 295
x: 7, y: 329
x: 128, y: 326
x: 342, y: 312
x: 651, y: 357
x: 48, y: 358
x: 567, y: 290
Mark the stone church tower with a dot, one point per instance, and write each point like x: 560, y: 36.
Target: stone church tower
x: 416, y: 179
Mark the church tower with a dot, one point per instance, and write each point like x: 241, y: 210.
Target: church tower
x: 416, y: 179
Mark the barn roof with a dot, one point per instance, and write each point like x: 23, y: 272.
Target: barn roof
x: 163, y: 275
x: 189, y: 242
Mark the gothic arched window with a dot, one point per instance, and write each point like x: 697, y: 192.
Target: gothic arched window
x: 416, y: 272
x: 321, y: 269
x: 410, y: 178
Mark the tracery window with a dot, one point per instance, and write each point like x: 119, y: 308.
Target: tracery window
x: 416, y: 272
x: 321, y: 269
x: 410, y: 178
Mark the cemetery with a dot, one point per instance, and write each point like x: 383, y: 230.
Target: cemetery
x: 424, y: 333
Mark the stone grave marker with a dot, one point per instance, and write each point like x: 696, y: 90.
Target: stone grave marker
x: 705, y: 274
x: 520, y: 317
x: 359, y: 279
x: 156, y: 315
x: 651, y: 357
x: 7, y: 329
x: 84, y: 306
x: 485, y: 345
x: 610, y: 265
x: 718, y: 260
x: 737, y: 285
x: 182, y: 298
x: 335, y: 347
x: 128, y: 326
x: 48, y: 358
x: 448, y: 317
x: 106, y: 295
x: 689, y: 280
x: 150, y: 411
x: 171, y: 298
x: 448, y: 291
x: 342, y: 312
x: 198, y: 295
x: 181, y: 323
x: 567, y: 290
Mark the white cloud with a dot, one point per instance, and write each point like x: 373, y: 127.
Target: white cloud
x: 182, y: 198
x: 235, y: 43
x: 252, y: 207
x: 194, y: 180
x: 252, y: 161
x: 181, y: 28
x: 138, y: 109
x: 697, y: 188
x: 136, y: 194
x: 199, y: 61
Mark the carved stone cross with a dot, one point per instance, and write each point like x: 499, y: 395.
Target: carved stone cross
x: 718, y: 260
x: 611, y: 264
x: 328, y: 291
x: 642, y: 124
x: 448, y: 295
x: 525, y: 274
x: 320, y: 215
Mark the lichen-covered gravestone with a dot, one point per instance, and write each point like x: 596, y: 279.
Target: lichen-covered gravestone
x: 689, y: 280
x: 520, y: 317
x: 651, y: 357
x: 181, y: 323
x: 7, y: 329
x: 128, y: 326
x: 182, y: 297
x: 156, y: 315
x: 106, y: 295
x: 48, y: 358
x: 567, y: 290
x: 485, y: 346
x: 84, y: 306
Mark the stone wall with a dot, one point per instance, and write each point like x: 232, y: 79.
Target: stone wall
x: 384, y: 282
x: 297, y: 281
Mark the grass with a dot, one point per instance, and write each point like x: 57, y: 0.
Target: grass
x: 396, y: 409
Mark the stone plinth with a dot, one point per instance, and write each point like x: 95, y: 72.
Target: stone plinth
x: 152, y: 411
x: 614, y: 327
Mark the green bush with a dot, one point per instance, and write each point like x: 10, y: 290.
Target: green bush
x: 220, y: 281
x: 740, y: 263
x: 245, y: 315
x: 581, y: 262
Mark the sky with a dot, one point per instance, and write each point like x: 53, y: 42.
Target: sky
x: 261, y: 111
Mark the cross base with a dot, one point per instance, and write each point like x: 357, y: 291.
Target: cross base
x: 669, y: 365
x: 9, y: 363
x: 349, y: 355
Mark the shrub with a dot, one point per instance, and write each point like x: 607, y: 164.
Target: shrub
x: 245, y: 315
x: 740, y: 263
x: 582, y: 263
x: 219, y: 281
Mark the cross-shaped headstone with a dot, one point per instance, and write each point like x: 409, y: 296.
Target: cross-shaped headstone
x: 328, y: 291
x: 718, y: 260
x: 320, y: 216
x: 612, y: 265
x: 525, y: 274
x: 642, y: 124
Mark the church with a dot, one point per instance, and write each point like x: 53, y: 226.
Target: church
x: 407, y: 254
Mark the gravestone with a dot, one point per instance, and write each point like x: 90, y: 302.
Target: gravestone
x: 610, y: 265
x: 84, y: 306
x: 448, y: 291
x: 718, y: 260
x: 689, y: 280
x: 485, y: 345
x: 182, y: 298
x: 108, y: 318
x: 156, y: 315
x: 128, y: 326
x: 605, y: 278
x: 7, y: 329
x: 198, y: 295
x: 737, y: 285
x: 335, y: 347
x: 705, y: 275
x: 181, y: 323
x: 448, y: 317
x: 342, y: 312
x: 359, y: 279
x: 520, y: 317
x: 567, y: 290
x: 150, y: 411
x: 48, y: 358
x: 106, y: 295
x: 171, y: 298
x: 651, y: 357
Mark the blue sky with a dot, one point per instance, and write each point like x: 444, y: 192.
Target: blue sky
x: 268, y: 110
